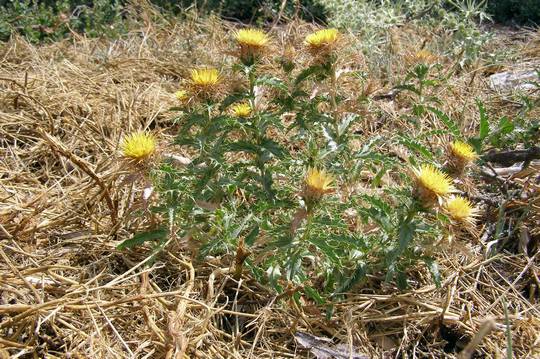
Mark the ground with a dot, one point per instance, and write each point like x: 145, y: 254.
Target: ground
x: 68, y: 199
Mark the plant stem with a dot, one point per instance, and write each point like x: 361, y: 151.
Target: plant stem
x: 333, y: 101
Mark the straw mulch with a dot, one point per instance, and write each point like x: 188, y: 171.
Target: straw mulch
x: 67, y: 201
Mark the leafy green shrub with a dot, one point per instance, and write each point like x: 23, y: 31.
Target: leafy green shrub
x: 458, y: 19
x: 249, y: 10
x: 40, y: 20
x: 523, y: 12
x: 53, y: 20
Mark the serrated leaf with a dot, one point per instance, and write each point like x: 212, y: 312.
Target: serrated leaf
x: 252, y: 235
x: 358, y: 274
x: 273, y: 82
x: 273, y: 147
x: 406, y: 234
x: 505, y: 126
x: 322, y: 245
x: 401, y: 280
x: 140, y: 238
x: 241, y: 226
x: 408, y: 87
x: 449, y: 123
x: 433, y: 268
x: 305, y: 74
x: 229, y: 100
x: 484, y: 121
x: 378, y: 177
x: 241, y: 146
x: 314, y: 294
x: 346, y: 123
x: 415, y: 146
x: 378, y: 203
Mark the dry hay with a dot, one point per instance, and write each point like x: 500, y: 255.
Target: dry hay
x: 67, y: 201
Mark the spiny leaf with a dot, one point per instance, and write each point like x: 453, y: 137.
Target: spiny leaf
x: 307, y: 73
x: 415, y: 146
x: 433, y: 268
x: 484, y: 121
x: 314, y: 294
x: 358, y: 274
x: 328, y: 251
x: 252, y: 235
x: 140, y: 238
x: 452, y: 126
x: 273, y: 82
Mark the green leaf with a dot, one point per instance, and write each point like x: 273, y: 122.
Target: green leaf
x: 229, y: 100
x: 415, y: 146
x: 358, y: 274
x: 476, y: 143
x: 505, y: 126
x: 433, y: 268
x: 252, y: 235
x: 140, y: 238
x: 378, y: 177
x: 406, y: 234
x: 322, y: 245
x: 448, y: 122
x: 408, y: 87
x: 484, y: 121
x: 273, y: 147
x: 241, y: 146
x: 305, y: 74
x: 346, y: 123
x: 273, y: 82
x: 314, y: 294
x: 236, y: 232
x: 401, y: 280
x: 378, y: 203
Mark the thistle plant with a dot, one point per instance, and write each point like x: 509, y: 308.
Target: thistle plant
x: 274, y: 184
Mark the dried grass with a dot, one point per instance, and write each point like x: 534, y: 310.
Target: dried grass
x: 67, y: 201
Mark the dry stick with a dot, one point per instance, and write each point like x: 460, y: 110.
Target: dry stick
x: 59, y: 147
x: 484, y: 330
x: 16, y: 271
x: 28, y: 309
x: 115, y: 331
x: 264, y: 316
x: 49, y: 117
x: 7, y: 234
x: 9, y: 343
x: 512, y: 285
x: 148, y: 318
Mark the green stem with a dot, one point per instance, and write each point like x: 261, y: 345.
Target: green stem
x: 333, y: 101
x: 309, y: 221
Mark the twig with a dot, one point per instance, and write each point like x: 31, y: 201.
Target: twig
x: 508, y: 158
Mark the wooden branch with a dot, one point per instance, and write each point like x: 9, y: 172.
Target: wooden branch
x: 508, y: 158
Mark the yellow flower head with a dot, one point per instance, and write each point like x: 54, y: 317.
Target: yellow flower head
x: 421, y: 57
x: 431, y: 184
x: 181, y: 95
x: 252, y: 38
x: 241, y: 110
x: 138, y: 146
x: 318, y: 182
x: 322, y: 38
x: 463, y: 151
x: 205, y: 77
x: 460, y: 209
x: 460, y: 155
